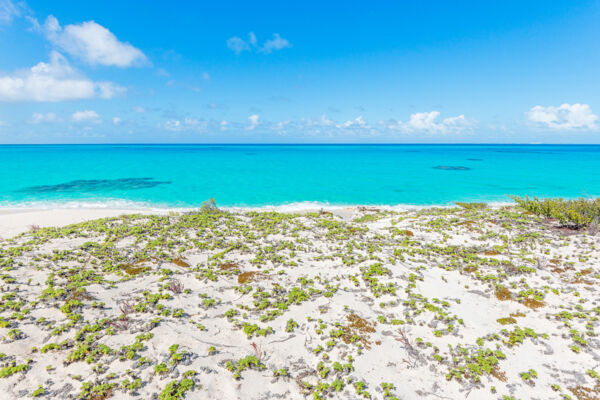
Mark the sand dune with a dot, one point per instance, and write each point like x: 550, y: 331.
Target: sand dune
x: 357, y: 303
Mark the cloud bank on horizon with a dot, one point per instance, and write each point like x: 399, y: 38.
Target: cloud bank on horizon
x: 104, y: 77
x: 564, y: 117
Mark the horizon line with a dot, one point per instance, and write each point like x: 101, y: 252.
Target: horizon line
x: 299, y: 144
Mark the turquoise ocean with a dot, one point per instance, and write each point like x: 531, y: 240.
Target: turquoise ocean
x: 181, y: 176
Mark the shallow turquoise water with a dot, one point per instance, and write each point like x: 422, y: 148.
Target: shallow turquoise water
x: 259, y: 175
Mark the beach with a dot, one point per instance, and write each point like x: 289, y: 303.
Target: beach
x: 297, y: 200
x: 353, y: 302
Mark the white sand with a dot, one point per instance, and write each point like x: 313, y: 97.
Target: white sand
x: 445, y: 295
x: 15, y: 221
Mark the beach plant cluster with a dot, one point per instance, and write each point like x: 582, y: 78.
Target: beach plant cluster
x: 186, y: 304
x: 578, y: 212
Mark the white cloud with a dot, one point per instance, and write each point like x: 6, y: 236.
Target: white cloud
x: 206, y: 76
x: 38, y: 118
x: 8, y: 11
x: 223, y: 125
x: 358, y: 122
x: 86, y: 116
x: 191, y: 121
x: 173, y: 125
x: 187, y: 124
x: 323, y: 121
x: 424, y: 121
x: 53, y: 81
x: 565, y: 117
x: 254, y: 121
x: 252, y: 39
x: 282, y: 126
x: 277, y: 43
x: 428, y: 122
x: 139, y: 109
x: 93, y: 43
x: 116, y: 120
x: 108, y: 90
x: 238, y: 45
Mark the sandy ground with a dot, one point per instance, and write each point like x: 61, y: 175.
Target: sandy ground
x: 349, y: 303
x: 15, y: 221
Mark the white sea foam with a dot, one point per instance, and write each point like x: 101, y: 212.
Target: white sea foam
x: 121, y: 204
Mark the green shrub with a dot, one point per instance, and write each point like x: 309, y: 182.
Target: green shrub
x: 577, y: 213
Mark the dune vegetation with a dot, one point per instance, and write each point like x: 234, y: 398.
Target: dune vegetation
x: 433, y: 303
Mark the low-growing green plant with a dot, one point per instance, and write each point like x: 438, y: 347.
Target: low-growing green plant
x: 89, y: 391
x: 160, y: 368
x: 248, y: 362
x: 13, y: 368
x: 38, y: 392
x: 291, y: 325
x: 577, y: 213
x: 176, y: 389
x: 131, y: 386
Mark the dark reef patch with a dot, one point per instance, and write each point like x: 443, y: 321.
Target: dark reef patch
x: 452, y: 168
x: 96, y: 185
x: 474, y: 159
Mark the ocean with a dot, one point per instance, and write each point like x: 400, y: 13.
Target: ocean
x: 182, y: 176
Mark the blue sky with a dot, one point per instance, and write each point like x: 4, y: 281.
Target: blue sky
x: 392, y: 71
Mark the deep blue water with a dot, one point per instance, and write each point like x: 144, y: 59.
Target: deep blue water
x: 259, y: 175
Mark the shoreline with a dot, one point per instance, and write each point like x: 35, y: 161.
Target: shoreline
x: 117, y: 204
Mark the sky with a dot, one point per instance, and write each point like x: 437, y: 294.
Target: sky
x: 299, y: 72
